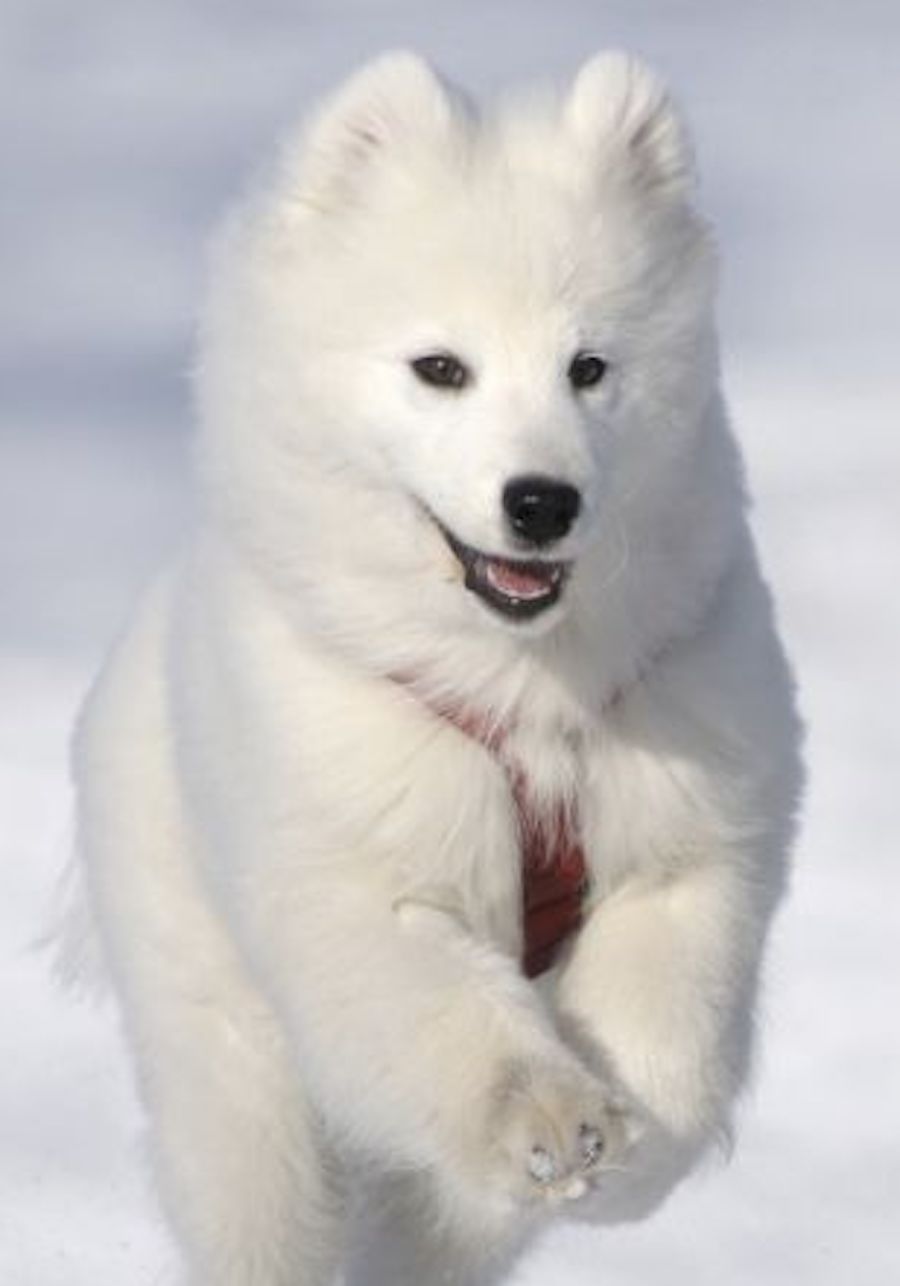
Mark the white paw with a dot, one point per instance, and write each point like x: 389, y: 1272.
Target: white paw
x: 556, y: 1130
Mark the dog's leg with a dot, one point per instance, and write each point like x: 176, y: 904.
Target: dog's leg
x: 693, y: 790
x: 663, y: 977
x: 660, y: 986
x: 235, y: 1146
x: 237, y: 1156
x: 429, y: 1051
x: 239, y: 1162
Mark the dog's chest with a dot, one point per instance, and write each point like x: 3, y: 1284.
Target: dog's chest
x: 543, y: 763
x: 545, y: 777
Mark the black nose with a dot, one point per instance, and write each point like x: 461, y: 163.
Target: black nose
x: 540, y: 510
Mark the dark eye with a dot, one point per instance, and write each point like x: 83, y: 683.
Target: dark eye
x: 586, y: 370
x: 441, y: 370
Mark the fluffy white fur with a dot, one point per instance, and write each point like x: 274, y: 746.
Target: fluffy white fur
x: 307, y: 884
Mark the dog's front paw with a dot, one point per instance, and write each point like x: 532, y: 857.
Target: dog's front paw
x: 555, y: 1130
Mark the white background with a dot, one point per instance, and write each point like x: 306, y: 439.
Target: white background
x: 124, y: 129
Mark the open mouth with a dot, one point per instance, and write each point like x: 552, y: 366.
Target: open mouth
x: 517, y: 588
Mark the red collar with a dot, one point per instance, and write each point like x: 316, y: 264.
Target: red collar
x: 554, y: 870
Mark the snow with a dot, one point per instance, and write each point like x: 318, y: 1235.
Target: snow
x: 123, y: 134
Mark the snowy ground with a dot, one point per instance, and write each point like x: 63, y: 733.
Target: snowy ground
x: 123, y: 132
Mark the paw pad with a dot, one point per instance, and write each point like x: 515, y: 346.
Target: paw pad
x: 541, y: 1166
x: 591, y: 1142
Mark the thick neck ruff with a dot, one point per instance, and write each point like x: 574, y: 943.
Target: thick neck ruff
x: 553, y: 868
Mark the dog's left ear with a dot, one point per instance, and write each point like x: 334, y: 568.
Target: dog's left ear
x: 395, y: 104
x: 618, y: 103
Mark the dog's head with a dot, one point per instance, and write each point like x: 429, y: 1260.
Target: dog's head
x: 459, y: 350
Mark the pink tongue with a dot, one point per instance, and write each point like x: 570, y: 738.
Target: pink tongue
x: 516, y: 581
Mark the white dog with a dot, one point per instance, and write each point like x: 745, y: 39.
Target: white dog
x: 435, y: 806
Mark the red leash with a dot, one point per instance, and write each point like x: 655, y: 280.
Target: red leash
x: 554, y: 871
x: 554, y: 881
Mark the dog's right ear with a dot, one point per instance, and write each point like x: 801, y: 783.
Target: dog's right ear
x: 391, y: 107
x: 617, y: 103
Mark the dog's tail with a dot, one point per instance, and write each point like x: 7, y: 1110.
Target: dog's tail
x: 71, y: 939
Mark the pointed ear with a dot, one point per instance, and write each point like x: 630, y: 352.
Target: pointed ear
x: 391, y: 106
x: 617, y: 101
